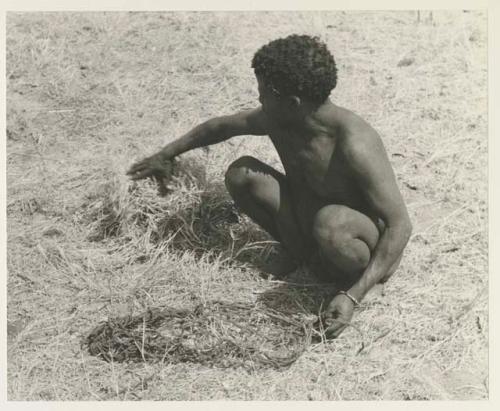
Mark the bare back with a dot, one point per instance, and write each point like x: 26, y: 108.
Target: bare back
x: 317, y: 160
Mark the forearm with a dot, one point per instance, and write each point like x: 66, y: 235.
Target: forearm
x: 387, y: 253
x: 207, y: 133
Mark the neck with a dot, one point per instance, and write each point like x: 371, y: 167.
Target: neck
x: 309, y: 114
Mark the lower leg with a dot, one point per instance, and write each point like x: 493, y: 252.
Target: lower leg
x: 280, y: 230
x: 261, y: 192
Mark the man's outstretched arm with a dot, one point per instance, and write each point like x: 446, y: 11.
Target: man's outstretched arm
x: 213, y: 131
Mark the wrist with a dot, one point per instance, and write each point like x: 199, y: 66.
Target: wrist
x: 353, y: 299
x: 357, y: 292
x: 166, y: 154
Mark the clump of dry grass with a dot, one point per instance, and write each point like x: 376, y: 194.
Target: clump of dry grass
x: 215, y: 333
x: 194, y: 216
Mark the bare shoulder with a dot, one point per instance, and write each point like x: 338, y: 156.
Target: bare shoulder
x: 349, y: 130
x: 366, y: 158
x: 363, y: 150
x: 358, y: 140
x: 253, y: 121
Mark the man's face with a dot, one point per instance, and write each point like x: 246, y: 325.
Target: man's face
x: 281, y: 108
x: 269, y: 98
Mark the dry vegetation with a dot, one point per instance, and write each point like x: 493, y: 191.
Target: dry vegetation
x: 89, y: 93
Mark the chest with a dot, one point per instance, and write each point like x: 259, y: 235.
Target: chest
x: 314, y: 162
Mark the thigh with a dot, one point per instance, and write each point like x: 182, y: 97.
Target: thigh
x: 263, y: 193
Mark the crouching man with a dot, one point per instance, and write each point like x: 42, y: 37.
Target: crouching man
x: 337, y: 202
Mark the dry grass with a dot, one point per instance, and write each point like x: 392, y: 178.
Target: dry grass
x: 215, y: 334
x: 89, y: 93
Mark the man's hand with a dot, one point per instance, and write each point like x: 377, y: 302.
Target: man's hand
x: 156, y: 167
x: 337, y: 316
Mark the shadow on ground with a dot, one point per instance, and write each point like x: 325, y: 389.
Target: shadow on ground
x: 210, y: 225
x: 199, y: 217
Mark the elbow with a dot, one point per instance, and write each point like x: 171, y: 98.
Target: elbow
x: 213, y: 131
x: 217, y: 127
x: 401, y: 229
x: 213, y: 126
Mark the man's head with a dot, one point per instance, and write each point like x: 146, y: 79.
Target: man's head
x: 294, y: 70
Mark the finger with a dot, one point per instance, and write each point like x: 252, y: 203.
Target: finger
x: 166, y: 179
x: 141, y: 175
x: 168, y: 172
x: 335, y: 329
x: 162, y: 188
x: 323, y: 324
x: 319, y: 325
x: 136, y: 167
x: 339, y: 331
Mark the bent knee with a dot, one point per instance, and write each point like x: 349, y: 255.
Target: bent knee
x: 330, y: 225
x: 336, y: 224
x: 238, y: 175
x: 249, y: 176
x: 330, y: 215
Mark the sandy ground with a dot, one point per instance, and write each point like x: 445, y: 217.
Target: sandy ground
x: 89, y: 93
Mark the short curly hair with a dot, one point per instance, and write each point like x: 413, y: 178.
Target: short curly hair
x: 298, y: 65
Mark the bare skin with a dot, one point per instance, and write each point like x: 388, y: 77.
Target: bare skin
x: 338, y: 200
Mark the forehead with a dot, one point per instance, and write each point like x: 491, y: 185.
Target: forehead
x: 260, y: 82
x: 263, y: 85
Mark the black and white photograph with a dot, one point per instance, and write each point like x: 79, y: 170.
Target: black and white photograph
x: 247, y: 205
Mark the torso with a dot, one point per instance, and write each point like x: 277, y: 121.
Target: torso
x: 316, y: 168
